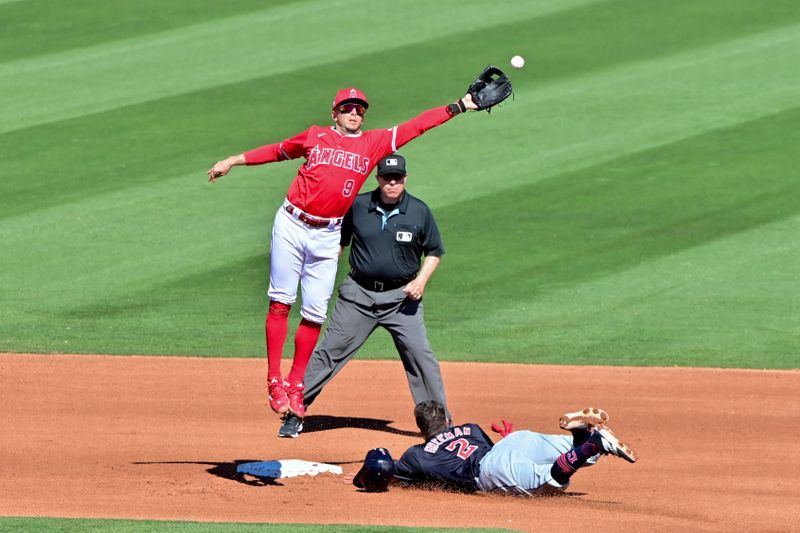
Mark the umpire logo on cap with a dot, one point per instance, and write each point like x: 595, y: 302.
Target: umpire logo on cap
x: 392, y: 164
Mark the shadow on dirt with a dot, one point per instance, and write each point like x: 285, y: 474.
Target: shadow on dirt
x: 315, y: 423
x: 227, y: 470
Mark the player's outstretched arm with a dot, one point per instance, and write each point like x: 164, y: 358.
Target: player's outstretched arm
x: 431, y: 118
x: 221, y: 168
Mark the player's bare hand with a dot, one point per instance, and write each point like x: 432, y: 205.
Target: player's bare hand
x: 415, y: 289
x: 468, y: 103
x: 219, y: 169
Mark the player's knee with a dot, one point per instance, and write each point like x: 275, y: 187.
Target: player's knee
x: 313, y: 314
x: 311, y: 323
x: 279, y: 308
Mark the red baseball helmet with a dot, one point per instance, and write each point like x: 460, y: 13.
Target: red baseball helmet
x: 351, y: 94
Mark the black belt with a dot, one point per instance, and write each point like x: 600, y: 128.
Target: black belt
x: 376, y: 285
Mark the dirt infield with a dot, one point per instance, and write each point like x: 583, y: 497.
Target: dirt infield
x: 160, y: 438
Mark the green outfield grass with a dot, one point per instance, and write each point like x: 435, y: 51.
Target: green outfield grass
x: 637, y: 203
x: 57, y: 525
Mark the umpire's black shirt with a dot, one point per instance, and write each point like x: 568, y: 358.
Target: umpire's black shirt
x: 389, y: 241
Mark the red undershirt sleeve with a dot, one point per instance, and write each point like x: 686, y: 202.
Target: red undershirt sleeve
x: 418, y: 125
x: 291, y: 148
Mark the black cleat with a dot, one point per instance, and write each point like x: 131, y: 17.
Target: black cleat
x: 291, y: 427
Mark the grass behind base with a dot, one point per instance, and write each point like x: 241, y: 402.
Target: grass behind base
x: 64, y: 525
x: 636, y: 203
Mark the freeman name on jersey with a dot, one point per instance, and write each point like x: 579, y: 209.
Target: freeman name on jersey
x: 432, y: 445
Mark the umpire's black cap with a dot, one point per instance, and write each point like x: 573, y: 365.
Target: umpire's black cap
x: 392, y: 164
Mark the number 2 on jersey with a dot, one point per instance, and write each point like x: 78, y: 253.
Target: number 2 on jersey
x: 465, y: 449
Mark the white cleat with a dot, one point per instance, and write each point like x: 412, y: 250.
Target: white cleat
x: 610, y: 444
x: 588, y: 418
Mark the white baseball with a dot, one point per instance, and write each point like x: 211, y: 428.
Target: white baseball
x: 517, y: 61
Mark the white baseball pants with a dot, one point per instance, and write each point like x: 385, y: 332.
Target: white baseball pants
x: 305, y: 255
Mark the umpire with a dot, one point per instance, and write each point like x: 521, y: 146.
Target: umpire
x: 389, y: 231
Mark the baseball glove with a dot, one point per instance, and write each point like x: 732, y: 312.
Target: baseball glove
x: 491, y: 88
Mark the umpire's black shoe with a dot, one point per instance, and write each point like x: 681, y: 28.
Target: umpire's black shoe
x: 291, y: 427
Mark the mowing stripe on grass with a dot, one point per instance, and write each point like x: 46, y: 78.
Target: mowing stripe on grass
x: 33, y: 29
x: 613, y: 112
x: 718, y: 209
x: 143, y: 233
x: 585, y: 120
x: 227, y: 50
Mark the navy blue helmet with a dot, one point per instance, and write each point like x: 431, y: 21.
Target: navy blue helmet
x: 376, y: 472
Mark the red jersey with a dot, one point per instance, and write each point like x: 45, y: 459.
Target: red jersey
x: 338, y: 164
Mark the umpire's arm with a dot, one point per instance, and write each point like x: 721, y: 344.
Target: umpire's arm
x: 416, y: 287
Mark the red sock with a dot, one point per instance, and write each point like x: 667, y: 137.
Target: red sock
x: 304, y: 342
x: 276, y: 327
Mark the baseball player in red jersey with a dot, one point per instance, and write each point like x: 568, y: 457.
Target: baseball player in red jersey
x: 305, y: 235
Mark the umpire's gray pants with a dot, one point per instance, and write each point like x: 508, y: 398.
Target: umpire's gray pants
x: 356, y: 315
